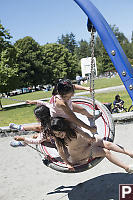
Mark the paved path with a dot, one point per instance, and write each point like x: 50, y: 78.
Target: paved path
x: 103, y: 90
x: 24, y: 177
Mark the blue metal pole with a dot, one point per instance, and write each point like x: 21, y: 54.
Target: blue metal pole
x: 110, y: 43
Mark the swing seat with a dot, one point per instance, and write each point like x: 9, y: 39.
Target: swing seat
x: 105, y: 129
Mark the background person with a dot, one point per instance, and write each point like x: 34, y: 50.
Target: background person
x: 78, y: 79
x: 118, y: 103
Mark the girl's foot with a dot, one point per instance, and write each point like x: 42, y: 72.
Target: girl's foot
x: 130, y: 169
x: 97, y: 115
x: 15, y: 143
x: 131, y: 155
x: 16, y: 127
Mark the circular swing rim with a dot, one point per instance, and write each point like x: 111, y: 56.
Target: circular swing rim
x: 49, y: 161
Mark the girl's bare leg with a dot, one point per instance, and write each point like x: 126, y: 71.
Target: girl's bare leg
x: 102, y: 152
x: 33, y: 127
x: 116, y: 148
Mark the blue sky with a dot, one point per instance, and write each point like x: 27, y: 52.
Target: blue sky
x: 46, y: 20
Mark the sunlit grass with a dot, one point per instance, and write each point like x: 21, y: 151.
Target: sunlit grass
x: 17, y: 115
x: 24, y: 114
x: 27, y: 96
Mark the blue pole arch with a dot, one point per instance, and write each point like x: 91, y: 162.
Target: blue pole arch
x: 110, y: 43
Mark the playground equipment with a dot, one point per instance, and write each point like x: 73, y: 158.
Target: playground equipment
x: 105, y: 125
x: 110, y: 43
x: 96, y: 22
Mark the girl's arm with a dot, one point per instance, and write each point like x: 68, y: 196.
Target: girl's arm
x: 31, y: 102
x: 79, y: 87
x: 85, y: 135
x: 35, y: 127
x: 27, y: 140
x: 62, y: 154
x: 72, y: 116
x: 38, y: 102
x: 83, y: 111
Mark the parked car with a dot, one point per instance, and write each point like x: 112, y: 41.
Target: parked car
x: 16, y: 92
x: 25, y: 90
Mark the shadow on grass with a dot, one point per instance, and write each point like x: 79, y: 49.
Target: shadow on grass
x: 105, y: 187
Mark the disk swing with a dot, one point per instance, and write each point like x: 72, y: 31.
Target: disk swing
x: 105, y: 125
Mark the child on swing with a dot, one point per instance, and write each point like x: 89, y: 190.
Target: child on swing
x: 62, y: 105
x: 42, y: 114
x: 80, y: 147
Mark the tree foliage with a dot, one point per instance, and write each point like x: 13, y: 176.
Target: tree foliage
x: 29, y: 60
x: 104, y: 62
x: 58, y: 62
x: 68, y: 41
x: 4, y: 38
x: 26, y: 63
x: 83, y: 49
x: 8, y: 66
x: 8, y: 70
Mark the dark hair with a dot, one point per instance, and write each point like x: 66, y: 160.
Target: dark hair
x: 61, y: 124
x: 43, y: 114
x: 117, y: 96
x: 62, y: 87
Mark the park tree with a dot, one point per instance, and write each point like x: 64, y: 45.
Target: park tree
x: 83, y: 49
x: 131, y: 61
x: 4, y: 38
x: 8, y: 66
x: 68, y: 41
x: 8, y: 70
x: 119, y: 35
x: 124, y: 42
x: 29, y: 60
x: 132, y: 37
x: 104, y: 62
x: 128, y: 49
x: 58, y: 62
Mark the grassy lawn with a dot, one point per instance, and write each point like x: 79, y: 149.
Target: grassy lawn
x: 109, y: 97
x: 27, y: 96
x: 99, y: 83
x: 21, y: 114
x: 24, y: 114
x: 107, y: 82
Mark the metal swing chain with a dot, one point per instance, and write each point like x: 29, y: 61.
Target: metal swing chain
x: 92, y: 84
x: 92, y: 75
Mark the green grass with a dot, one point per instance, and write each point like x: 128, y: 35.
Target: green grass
x: 107, y: 82
x: 21, y: 114
x: 27, y: 96
x: 99, y: 83
x: 109, y: 97
x: 24, y: 114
